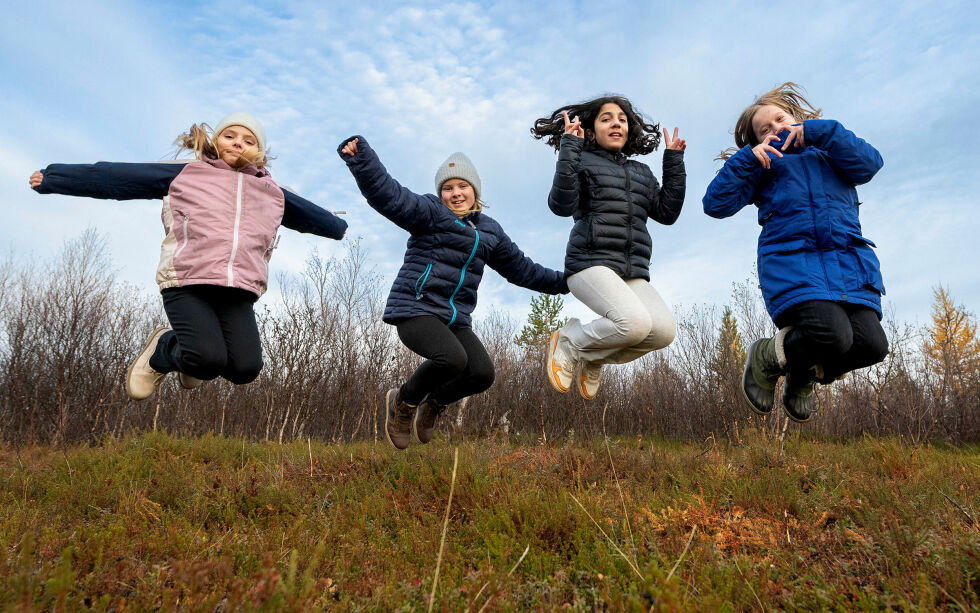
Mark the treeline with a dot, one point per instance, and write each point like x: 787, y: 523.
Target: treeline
x: 69, y: 328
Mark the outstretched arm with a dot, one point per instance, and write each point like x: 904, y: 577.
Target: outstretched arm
x: 303, y: 216
x: 383, y: 193
x: 108, y: 180
x: 517, y: 268
x: 854, y: 157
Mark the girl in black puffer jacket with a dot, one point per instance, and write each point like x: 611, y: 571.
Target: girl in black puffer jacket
x: 610, y: 197
x: 435, y: 292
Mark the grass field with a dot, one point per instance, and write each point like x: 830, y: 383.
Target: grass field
x: 216, y: 524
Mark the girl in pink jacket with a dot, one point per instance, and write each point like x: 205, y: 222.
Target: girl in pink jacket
x: 221, y: 215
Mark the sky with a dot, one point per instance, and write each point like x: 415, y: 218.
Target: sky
x: 118, y: 81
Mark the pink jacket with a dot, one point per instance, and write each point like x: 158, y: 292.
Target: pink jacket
x: 221, y: 223
x: 221, y: 227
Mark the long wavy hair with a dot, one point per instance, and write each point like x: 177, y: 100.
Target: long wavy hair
x: 641, y: 138
x: 788, y: 96
x: 199, y: 140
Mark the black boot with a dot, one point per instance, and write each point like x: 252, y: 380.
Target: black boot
x: 798, y: 396
x: 425, y: 420
x: 763, y: 368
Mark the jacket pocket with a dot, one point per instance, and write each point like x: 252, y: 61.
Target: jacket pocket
x: 590, y: 235
x: 868, y: 266
x: 783, y: 267
x: 420, y: 282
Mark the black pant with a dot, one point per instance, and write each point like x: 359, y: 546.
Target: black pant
x: 839, y: 336
x: 456, y: 365
x: 214, y: 334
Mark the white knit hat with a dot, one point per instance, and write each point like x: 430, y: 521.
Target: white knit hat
x: 241, y: 118
x: 458, y: 166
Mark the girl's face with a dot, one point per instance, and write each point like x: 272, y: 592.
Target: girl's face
x: 233, y: 142
x: 458, y: 195
x: 770, y: 119
x: 611, y: 128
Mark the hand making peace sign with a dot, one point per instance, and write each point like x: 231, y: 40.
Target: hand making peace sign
x: 573, y: 127
x: 677, y: 144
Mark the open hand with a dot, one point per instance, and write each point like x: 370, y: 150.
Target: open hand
x: 795, y: 136
x: 573, y: 127
x: 677, y: 144
x: 760, y: 150
x: 36, y: 178
x: 350, y: 148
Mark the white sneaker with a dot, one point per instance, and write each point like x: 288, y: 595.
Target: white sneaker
x: 141, y: 379
x: 559, y: 366
x: 188, y: 382
x: 590, y: 374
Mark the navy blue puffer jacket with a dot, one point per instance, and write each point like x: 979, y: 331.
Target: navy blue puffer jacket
x: 811, y: 246
x: 445, y: 256
x: 610, y: 198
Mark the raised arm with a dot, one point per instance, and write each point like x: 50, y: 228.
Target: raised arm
x: 303, y: 216
x: 666, y: 202
x: 565, y: 188
x: 383, y: 193
x: 517, y: 268
x: 734, y: 186
x: 854, y: 157
x: 108, y: 180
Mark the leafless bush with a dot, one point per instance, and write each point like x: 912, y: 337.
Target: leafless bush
x: 68, y: 330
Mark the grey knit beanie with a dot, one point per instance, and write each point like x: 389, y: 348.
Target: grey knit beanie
x: 241, y: 118
x: 458, y: 166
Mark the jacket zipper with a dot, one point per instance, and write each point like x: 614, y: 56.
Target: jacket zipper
x: 420, y: 282
x: 462, y: 273
x: 181, y: 248
x: 629, y: 224
x: 816, y: 230
x: 234, y: 240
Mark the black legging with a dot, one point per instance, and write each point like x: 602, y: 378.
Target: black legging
x: 214, y: 334
x: 839, y: 336
x: 456, y: 365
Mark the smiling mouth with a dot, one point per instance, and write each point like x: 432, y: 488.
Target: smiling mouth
x: 615, y: 135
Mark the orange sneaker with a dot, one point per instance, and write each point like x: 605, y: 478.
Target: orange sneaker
x: 588, y: 378
x: 559, y: 366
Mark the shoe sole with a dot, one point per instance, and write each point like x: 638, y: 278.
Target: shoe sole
x: 129, y: 371
x: 549, y: 360
x: 747, y: 372
x: 388, y: 402
x: 180, y: 380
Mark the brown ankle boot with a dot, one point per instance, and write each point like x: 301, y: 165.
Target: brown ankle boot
x: 398, y: 419
x: 425, y: 421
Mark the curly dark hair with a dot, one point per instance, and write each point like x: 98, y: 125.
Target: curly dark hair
x: 642, y: 137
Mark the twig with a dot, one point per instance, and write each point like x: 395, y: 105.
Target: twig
x: 309, y: 445
x: 611, y: 542
x: 629, y: 528
x: 709, y: 447
x: 519, y: 560
x: 761, y: 606
x: 683, y: 553
x: 445, y: 526
x: 959, y: 507
x: 782, y: 438
x: 489, y: 598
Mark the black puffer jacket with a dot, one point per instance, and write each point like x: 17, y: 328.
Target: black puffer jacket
x: 610, y: 198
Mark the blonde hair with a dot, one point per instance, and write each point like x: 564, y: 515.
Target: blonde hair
x: 788, y: 97
x: 200, y: 140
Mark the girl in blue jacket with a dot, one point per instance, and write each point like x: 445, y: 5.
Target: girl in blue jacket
x: 819, y: 275
x: 436, y: 288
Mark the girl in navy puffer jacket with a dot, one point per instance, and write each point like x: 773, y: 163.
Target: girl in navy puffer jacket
x: 610, y: 197
x: 819, y: 276
x: 436, y: 288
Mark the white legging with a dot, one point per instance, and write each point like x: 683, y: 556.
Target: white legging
x: 634, y: 320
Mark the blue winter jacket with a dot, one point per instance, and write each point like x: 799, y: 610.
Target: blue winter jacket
x: 445, y: 256
x: 811, y: 246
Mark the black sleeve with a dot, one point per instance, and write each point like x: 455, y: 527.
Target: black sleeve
x: 303, y: 216
x: 110, y: 180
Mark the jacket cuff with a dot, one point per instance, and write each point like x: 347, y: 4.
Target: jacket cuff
x: 570, y: 140
x: 362, y: 148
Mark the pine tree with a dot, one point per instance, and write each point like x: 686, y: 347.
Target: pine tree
x: 729, y: 350
x: 951, y: 347
x: 545, y: 317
